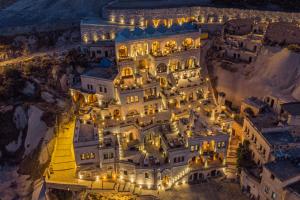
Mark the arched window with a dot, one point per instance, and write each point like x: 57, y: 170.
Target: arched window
x: 155, y: 48
x: 123, y: 52
x: 161, y: 68
x: 127, y: 71
x: 190, y: 63
x: 188, y: 43
x: 171, y: 45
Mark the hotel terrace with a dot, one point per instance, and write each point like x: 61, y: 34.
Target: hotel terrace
x: 146, y: 119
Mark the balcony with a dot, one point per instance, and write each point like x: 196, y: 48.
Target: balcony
x: 151, y: 98
x: 127, y: 58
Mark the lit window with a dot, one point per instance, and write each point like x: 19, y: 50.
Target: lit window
x: 105, y: 156
x: 273, y: 195
x: 111, y: 155
x: 136, y: 98
x: 192, y: 148
x: 266, y: 189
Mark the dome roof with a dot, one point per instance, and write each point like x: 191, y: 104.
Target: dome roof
x: 105, y: 63
x: 138, y: 31
x: 125, y: 33
x: 161, y: 28
x: 175, y: 28
x: 150, y: 30
x: 189, y: 26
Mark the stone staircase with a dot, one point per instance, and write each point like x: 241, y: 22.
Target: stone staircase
x: 231, y: 160
x: 174, y: 127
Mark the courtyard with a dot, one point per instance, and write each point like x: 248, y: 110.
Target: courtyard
x: 212, y: 189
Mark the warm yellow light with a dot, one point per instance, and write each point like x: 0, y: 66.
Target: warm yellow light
x: 85, y: 38
x: 112, y: 18
x: 95, y: 37
x: 122, y: 20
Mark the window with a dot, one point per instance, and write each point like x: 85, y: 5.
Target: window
x: 223, y: 144
x: 128, y: 99
x: 175, y: 160
x: 105, y: 156
x: 100, y: 88
x: 108, y: 156
x: 111, y: 155
x: 125, y: 173
x: 192, y: 148
x: 105, y: 90
x: 132, y: 99
x: 146, y: 175
x: 267, y: 189
x: 87, y: 156
x: 272, y: 176
x: 90, y: 87
x: 273, y: 196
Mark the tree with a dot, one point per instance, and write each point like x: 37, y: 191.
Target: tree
x: 244, y: 159
x: 12, y: 84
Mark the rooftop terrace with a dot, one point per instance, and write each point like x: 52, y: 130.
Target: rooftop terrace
x: 85, y: 132
x: 284, y: 169
x: 278, y: 137
x: 292, y: 108
x: 149, y: 32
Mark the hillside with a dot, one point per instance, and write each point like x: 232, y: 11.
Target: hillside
x: 276, y: 71
x: 28, y: 12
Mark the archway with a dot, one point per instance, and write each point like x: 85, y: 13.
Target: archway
x: 190, y: 63
x: 123, y: 51
x: 170, y: 46
x: 188, y: 43
x: 161, y: 68
x: 127, y: 71
x: 116, y: 113
x: 143, y: 64
x: 155, y: 48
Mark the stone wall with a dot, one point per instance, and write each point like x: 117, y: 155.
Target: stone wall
x: 202, y: 14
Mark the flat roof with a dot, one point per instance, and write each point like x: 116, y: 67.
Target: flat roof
x: 254, y: 101
x: 264, y: 120
x: 278, y: 137
x: 150, y: 32
x: 100, y: 72
x: 86, y: 132
x: 292, y: 108
x: 295, y: 187
x: 283, y: 169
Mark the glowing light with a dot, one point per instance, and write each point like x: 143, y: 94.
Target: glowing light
x: 112, y: 18
x: 95, y: 37
x: 131, y: 21
x: 85, y: 38
x: 122, y: 20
